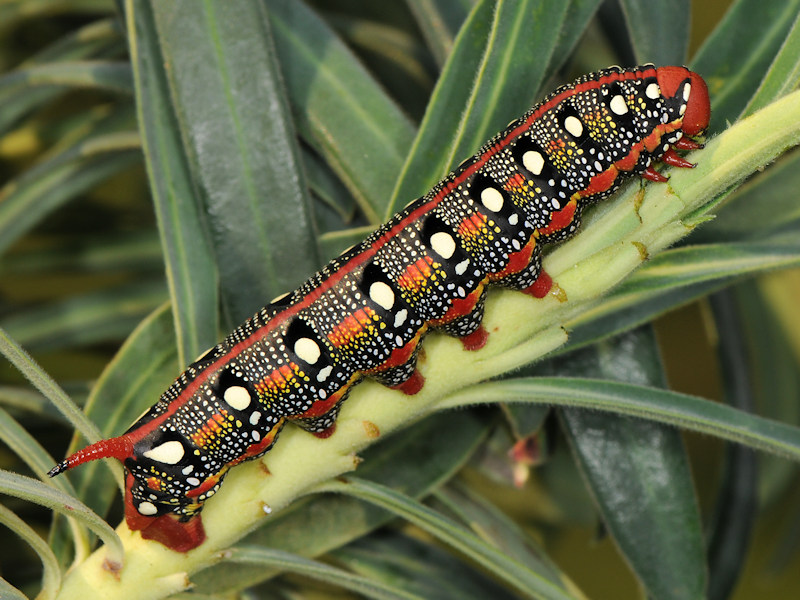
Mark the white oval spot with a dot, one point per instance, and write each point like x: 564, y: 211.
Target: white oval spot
x: 682, y: 110
x: 307, y: 350
x: 400, y: 318
x: 254, y: 417
x: 187, y: 470
x: 573, y: 126
x: 443, y: 244
x: 652, y: 91
x: 687, y: 91
x: 533, y: 161
x: 618, y: 105
x: 256, y: 436
x: 492, y: 199
x: 237, y: 397
x: 324, y: 373
x: 382, y: 295
x: 193, y: 481
x: 461, y: 267
x: 513, y: 219
x: 169, y: 453
x: 148, y: 509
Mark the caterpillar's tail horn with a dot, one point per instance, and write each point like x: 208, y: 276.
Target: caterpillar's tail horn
x: 119, y: 448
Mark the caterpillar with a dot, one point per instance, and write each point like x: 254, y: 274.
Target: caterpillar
x: 428, y: 267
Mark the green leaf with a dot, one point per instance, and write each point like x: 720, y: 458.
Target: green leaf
x: 737, y: 499
x: 732, y: 60
x: 419, y: 568
x: 783, y: 75
x: 659, y: 30
x: 527, y: 582
x: 189, y: 257
x: 240, y: 147
x: 439, y: 21
x: 339, y: 108
x: 51, y: 577
x: 92, y: 40
x: 29, y: 198
x: 35, y: 491
x: 107, y: 315
x: 464, y: 111
x: 277, y: 559
x: 689, y: 412
x: 638, y: 474
x: 488, y: 522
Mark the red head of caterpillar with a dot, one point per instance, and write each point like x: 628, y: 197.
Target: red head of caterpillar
x: 365, y: 313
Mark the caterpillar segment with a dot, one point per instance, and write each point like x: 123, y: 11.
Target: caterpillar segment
x: 365, y: 314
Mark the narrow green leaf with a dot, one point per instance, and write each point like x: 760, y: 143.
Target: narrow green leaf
x: 92, y: 40
x: 737, y: 496
x: 9, y: 591
x: 638, y: 473
x: 659, y: 31
x: 277, y: 559
x: 783, y: 75
x: 35, y: 194
x: 191, y: 270
x: 51, y: 576
x: 525, y: 581
x: 439, y: 21
x: 240, y: 147
x: 99, y: 75
x: 47, y: 386
x: 465, y: 110
x: 743, y: 215
x: 107, y: 315
x: 733, y: 60
x: 688, y: 412
x: 339, y: 108
x: 488, y: 522
x: 35, y: 491
x: 672, y: 279
x: 419, y: 568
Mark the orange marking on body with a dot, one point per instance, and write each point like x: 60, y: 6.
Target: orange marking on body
x: 472, y: 225
x: 399, y: 356
x: 351, y: 327
x: 517, y: 261
x: 322, y: 407
x: 560, y: 219
x: 154, y: 483
x: 515, y: 181
x: 416, y: 274
x: 460, y: 306
x: 209, y: 483
x: 601, y: 182
x: 209, y: 431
